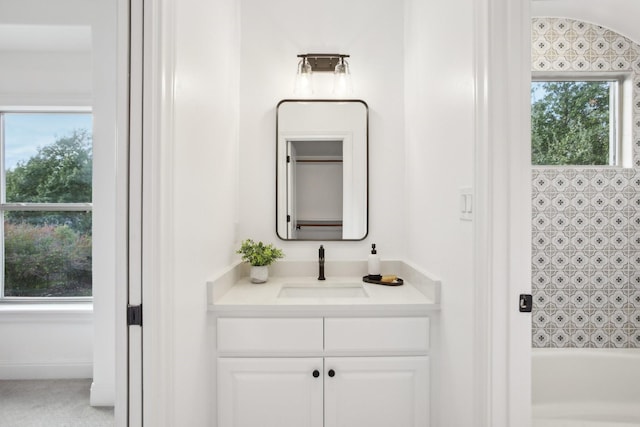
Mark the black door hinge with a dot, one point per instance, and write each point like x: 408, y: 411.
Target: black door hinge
x: 526, y: 303
x: 288, y: 159
x: 134, y: 315
x: 288, y: 218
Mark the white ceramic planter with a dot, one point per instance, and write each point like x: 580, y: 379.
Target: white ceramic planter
x: 259, y: 274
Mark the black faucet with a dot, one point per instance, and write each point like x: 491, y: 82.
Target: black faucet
x: 321, y: 263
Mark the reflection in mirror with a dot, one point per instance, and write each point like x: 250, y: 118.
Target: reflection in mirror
x: 321, y: 166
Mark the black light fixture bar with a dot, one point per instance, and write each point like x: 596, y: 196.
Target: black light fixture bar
x: 323, y: 61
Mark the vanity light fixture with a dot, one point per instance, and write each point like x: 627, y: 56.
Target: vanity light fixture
x: 323, y: 62
x: 342, y: 79
x: 304, y: 82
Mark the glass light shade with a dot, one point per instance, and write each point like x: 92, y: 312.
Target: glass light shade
x: 342, y: 79
x: 304, y: 82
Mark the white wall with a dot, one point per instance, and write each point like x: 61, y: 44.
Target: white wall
x: 439, y: 128
x: 105, y: 147
x: 34, y: 72
x: 205, y: 193
x: 54, y: 343
x: 416, y: 180
x: 212, y: 108
x: 272, y: 34
x: 28, y: 79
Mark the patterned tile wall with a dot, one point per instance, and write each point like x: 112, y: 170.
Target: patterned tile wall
x: 586, y: 220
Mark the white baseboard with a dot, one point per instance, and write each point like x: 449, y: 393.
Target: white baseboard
x: 46, y: 370
x: 102, y: 394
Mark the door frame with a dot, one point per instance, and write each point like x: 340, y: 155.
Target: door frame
x: 157, y: 216
x: 134, y: 209
x: 122, y: 239
x: 502, y: 237
x: 144, y: 131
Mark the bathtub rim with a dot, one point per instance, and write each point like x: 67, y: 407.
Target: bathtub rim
x: 613, y: 398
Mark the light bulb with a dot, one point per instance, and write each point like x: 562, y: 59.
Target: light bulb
x: 342, y: 79
x: 304, y: 82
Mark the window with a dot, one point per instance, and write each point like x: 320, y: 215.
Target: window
x: 45, y: 201
x: 575, y: 122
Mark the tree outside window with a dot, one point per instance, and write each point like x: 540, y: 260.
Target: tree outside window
x: 571, y: 122
x: 47, y: 207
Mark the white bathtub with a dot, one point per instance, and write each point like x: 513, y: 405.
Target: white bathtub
x: 586, y: 387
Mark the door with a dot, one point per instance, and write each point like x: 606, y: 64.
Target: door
x: 281, y: 392
x: 376, y: 391
x: 134, y: 213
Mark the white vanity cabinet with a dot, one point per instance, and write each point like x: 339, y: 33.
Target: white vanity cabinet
x: 315, y: 372
x: 270, y: 392
x: 376, y: 391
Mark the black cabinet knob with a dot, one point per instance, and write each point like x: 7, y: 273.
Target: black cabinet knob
x: 316, y: 373
x: 332, y: 373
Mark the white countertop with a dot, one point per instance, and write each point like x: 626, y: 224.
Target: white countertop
x: 246, y: 298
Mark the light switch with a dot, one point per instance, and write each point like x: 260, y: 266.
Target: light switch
x: 466, y: 203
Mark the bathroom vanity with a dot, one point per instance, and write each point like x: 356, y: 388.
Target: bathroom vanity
x: 299, y: 352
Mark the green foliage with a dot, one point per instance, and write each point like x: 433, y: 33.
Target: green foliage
x: 570, y: 124
x: 49, y: 253
x: 58, y: 173
x: 78, y: 221
x: 46, y: 261
x: 258, y: 254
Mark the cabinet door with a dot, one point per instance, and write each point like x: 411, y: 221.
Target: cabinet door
x: 376, y: 391
x: 261, y: 392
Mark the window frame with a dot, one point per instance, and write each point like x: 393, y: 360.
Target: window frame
x: 620, y: 112
x: 35, y: 207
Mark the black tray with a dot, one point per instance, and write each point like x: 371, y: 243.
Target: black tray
x: 398, y: 282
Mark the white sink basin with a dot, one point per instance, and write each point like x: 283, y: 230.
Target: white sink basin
x: 330, y: 290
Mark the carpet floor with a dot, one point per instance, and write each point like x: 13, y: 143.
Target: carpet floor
x: 50, y: 403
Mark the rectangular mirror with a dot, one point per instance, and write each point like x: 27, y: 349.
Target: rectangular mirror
x: 322, y: 170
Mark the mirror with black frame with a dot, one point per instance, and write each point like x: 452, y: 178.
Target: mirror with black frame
x: 322, y: 169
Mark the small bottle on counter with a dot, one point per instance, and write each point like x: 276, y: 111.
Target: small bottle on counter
x: 373, y: 267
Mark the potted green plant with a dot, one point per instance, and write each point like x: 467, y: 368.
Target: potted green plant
x: 260, y: 256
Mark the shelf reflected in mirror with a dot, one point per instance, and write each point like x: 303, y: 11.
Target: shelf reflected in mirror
x: 321, y: 165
